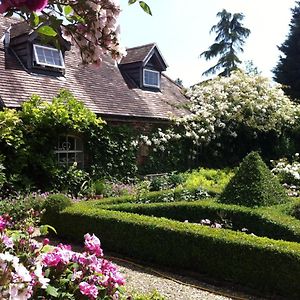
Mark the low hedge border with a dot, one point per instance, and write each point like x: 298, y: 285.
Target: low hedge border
x: 266, y: 221
x: 267, y: 265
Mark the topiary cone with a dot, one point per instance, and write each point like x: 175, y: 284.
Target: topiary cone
x: 253, y: 185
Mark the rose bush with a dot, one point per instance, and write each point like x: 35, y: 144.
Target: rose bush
x: 229, y: 117
x: 32, y: 270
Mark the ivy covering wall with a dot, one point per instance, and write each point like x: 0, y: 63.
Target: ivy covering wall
x: 29, y: 136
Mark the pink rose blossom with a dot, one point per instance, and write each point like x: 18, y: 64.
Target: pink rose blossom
x: 46, y: 241
x: 89, y: 290
x: 51, y: 259
x: 7, y: 241
x: 92, y: 244
x: 3, y: 223
x: 33, y: 5
x: 30, y: 230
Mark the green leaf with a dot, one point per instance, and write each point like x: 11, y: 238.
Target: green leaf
x: 131, y: 1
x: 47, y: 30
x: 44, y: 229
x: 145, y: 7
x: 35, y: 19
x: 68, y: 9
x: 52, y: 291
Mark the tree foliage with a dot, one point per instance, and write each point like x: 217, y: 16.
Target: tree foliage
x: 229, y: 41
x: 287, y: 70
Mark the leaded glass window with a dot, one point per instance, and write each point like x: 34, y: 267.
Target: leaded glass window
x: 69, y: 150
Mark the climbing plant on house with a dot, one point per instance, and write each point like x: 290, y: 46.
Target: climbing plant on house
x: 32, y: 139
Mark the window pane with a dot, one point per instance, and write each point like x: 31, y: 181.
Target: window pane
x: 48, y: 56
x: 71, y: 158
x: 69, y: 150
x: 62, y: 158
x: 151, y: 78
x: 71, y: 143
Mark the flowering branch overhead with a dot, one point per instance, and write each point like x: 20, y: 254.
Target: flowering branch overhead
x: 89, y: 25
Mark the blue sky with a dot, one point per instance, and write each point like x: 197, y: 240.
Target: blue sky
x: 181, y: 31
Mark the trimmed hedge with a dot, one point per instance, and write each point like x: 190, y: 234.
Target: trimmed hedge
x: 268, y: 222
x: 253, y: 185
x: 261, y: 263
x: 53, y: 205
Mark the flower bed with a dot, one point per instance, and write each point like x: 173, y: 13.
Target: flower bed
x: 30, y: 270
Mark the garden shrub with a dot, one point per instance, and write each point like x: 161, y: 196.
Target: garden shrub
x: 20, y: 207
x: 296, y: 211
x: 229, y: 117
x: 28, y: 139
x: 32, y: 270
x: 213, y: 180
x: 113, y: 151
x: 253, y: 185
x: 54, y: 204
x: 288, y: 173
x: 261, y: 263
x: 2, y: 174
x: 166, y: 181
x: 171, y: 195
x: 69, y: 180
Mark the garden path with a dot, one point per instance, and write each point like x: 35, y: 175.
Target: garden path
x: 146, y: 279
x: 174, y: 287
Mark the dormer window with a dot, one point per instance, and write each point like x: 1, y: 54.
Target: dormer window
x: 48, y: 57
x: 151, y: 78
x: 142, y: 67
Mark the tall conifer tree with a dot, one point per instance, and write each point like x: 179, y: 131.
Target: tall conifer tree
x: 230, y: 38
x: 287, y: 71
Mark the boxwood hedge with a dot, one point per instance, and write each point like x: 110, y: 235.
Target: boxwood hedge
x: 270, y: 266
x: 268, y: 222
x: 253, y: 185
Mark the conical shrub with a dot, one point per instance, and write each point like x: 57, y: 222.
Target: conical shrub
x: 253, y: 185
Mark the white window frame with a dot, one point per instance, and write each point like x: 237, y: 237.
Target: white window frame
x: 35, y: 46
x: 68, y: 151
x: 151, y: 85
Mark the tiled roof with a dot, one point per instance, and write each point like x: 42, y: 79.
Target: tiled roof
x: 137, y: 54
x: 103, y: 90
x: 20, y: 28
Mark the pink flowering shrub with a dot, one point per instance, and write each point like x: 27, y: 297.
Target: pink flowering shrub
x: 92, y: 25
x: 33, y: 5
x: 28, y: 270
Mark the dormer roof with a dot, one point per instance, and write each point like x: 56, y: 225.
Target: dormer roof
x: 20, y: 28
x: 142, y: 55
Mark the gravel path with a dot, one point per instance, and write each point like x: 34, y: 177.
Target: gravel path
x: 172, y: 286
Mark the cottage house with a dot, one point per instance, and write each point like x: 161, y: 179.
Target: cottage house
x: 135, y: 91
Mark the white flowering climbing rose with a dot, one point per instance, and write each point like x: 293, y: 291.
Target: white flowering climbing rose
x: 223, y: 104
